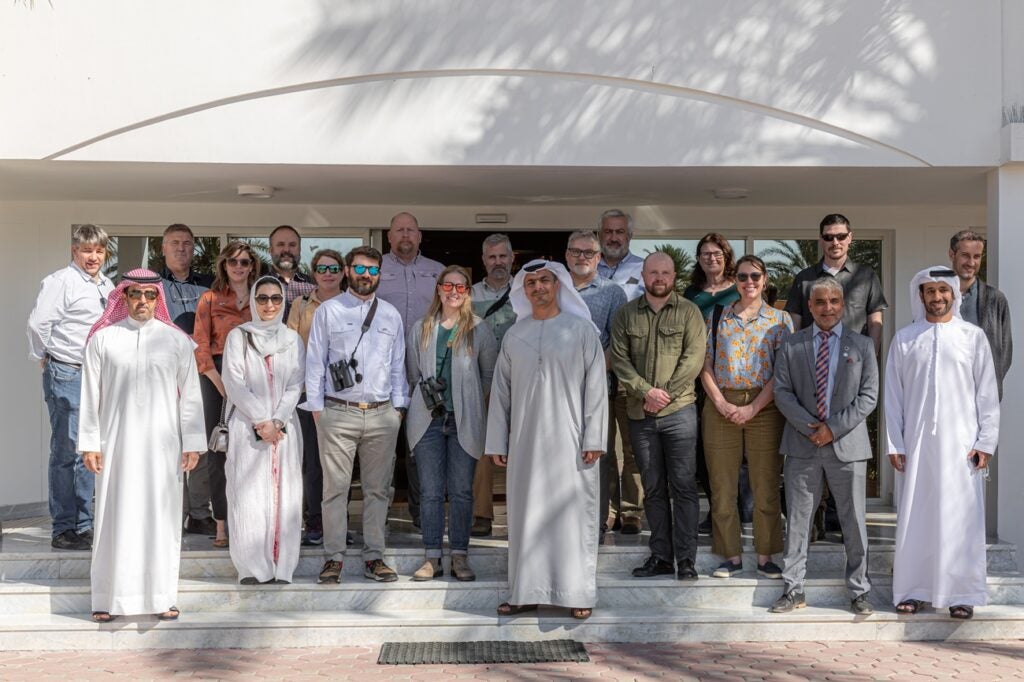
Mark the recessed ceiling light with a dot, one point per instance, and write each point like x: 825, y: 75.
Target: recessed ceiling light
x: 255, y: 191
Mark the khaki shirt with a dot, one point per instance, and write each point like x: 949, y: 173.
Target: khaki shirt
x: 658, y: 350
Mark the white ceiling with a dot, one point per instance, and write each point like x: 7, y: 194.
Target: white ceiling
x: 488, y: 186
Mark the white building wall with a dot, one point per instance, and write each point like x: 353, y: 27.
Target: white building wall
x: 544, y: 82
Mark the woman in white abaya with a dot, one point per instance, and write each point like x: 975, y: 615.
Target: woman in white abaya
x: 263, y: 376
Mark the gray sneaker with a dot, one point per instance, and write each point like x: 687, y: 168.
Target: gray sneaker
x: 379, y: 571
x: 861, y: 606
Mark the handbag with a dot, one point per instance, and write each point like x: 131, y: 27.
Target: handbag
x: 219, y: 435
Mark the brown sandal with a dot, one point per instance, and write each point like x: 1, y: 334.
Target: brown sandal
x: 220, y: 543
x: 581, y: 614
x: 102, y: 616
x: 170, y: 614
x: 506, y: 609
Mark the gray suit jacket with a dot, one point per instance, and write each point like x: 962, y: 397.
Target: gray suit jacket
x: 854, y: 395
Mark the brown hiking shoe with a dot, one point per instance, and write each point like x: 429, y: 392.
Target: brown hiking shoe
x: 461, y: 569
x: 330, y: 573
x: 379, y: 571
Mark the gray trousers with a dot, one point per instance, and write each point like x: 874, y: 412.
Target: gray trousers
x: 345, y: 433
x: 846, y: 480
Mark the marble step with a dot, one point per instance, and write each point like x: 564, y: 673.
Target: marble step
x: 323, y: 628
x: 486, y: 561
x: 223, y: 595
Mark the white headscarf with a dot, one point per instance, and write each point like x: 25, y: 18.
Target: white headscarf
x: 569, y: 300
x: 268, y: 336
x: 936, y: 273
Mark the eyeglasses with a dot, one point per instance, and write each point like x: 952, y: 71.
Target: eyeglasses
x: 276, y: 299
x: 324, y: 269
x: 835, y: 237
x: 460, y: 288
x: 136, y: 294
x: 712, y: 255
x: 586, y: 253
x: 239, y: 262
x: 363, y: 269
x: 752, y: 276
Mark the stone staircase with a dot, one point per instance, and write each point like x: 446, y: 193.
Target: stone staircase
x: 45, y: 604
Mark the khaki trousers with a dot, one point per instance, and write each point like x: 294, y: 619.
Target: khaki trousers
x: 483, y: 488
x: 345, y: 433
x: 724, y: 445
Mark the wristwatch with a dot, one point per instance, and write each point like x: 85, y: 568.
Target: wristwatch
x: 278, y: 424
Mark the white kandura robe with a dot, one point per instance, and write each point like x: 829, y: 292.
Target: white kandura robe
x: 264, y: 483
x: 549, y: 403
x: 141, y: 408
x: 941, y: 402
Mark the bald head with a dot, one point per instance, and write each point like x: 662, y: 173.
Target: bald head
x: 404, y: 236
x: 659, y: 275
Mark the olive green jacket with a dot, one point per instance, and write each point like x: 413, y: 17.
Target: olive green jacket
x: 658, y: 350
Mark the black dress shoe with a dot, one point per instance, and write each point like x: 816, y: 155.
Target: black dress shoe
x: 861, y: 606
x: 652, y: 567
x: 685, y: 570
x: 788, y: 602
x: 205, y: 526
x: 69, y: 539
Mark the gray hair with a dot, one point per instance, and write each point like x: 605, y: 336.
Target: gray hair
x: 616, y: 213
x: 965, y: 236
x: 589, y: 235
x: 496, y: 239
x: 828, y: 284
x: 89, y: 234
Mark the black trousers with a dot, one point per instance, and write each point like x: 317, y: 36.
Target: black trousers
x: 212, y: 402
x: 312, y: 472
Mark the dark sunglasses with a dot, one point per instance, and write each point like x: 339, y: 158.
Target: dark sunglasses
x: 837, y: 237
x: 324, y: 269
x: 447, y: 287
x: 136, y: 294
x: 276, y: 299
x: 752, y: 276
x: 239, y: 262
x: 363, y: 269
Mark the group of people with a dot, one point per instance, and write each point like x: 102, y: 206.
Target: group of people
x: 604, y: 390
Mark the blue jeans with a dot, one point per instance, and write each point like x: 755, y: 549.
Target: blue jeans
x: 444, y: 467
x: 665, y: 452
x: 71, y: 484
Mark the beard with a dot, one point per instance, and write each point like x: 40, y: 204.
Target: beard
x: 499, y: 272
x: 364, y: 286
x: 582, y: 270
x: 659, y: 290
x: 615, y: 252
x: 285, y: 261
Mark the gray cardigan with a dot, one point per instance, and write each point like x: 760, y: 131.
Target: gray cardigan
x: 471, y: 378
x: 994, y: 319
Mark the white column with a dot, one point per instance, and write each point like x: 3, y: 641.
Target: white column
x: 1005, y: 244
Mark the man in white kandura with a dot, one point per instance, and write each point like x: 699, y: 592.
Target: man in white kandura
x: 139, y: 429
x: 942, y: 419
x: 548, y: 423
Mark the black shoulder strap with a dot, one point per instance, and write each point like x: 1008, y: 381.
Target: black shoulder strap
x: 367, y: 321
x: 496, y: 306
x: 716, y: 319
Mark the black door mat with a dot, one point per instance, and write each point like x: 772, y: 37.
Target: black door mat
x: 432, y: 653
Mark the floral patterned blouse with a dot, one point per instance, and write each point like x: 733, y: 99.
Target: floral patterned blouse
x: 746, y: 351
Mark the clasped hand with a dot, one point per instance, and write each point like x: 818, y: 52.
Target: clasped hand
x: 269, y: 432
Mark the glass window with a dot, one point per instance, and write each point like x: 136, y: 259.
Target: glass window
x: 683, y: 251
x: 128, y: 253
x: 784, y: 258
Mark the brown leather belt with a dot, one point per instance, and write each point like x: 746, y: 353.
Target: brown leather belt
x: 361, y: 406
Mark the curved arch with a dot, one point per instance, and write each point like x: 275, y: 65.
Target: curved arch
x: 586, y: 78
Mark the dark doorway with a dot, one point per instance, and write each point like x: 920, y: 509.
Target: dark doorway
x: 464, y: 247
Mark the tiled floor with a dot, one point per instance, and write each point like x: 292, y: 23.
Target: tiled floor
x: 853, y: 661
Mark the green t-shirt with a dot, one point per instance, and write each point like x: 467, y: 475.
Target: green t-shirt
x: 444, y: 337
